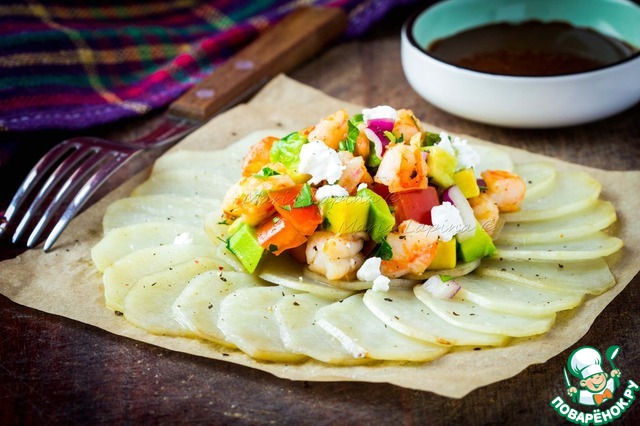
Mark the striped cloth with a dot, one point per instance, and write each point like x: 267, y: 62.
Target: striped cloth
x: 75, y: 64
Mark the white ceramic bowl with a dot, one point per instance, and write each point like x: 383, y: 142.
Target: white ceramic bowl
x: 526, y: 102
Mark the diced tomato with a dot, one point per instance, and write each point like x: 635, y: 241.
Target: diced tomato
x: 382, y: 190
x: 416, y: 205
x: 276, y: 235
x: 304, y: 219
x: 299, y: 253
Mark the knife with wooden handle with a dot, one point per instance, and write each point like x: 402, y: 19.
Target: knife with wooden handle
x: 294, y: 40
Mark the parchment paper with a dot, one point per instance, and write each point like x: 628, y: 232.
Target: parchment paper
x: 65, y: 282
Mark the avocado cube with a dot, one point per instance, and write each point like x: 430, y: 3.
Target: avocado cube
x: 380, y: 220
x: 345, y: 215
x: 476, y: 247
x: 442, y: 166
x: 466, y: 181
x: 445, y: 256
x: 244, y: 244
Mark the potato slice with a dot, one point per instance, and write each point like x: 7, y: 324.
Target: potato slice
x: 570, y: 192
x: 538, y: 177
x: 591, y: 277
x: 198, y: 306
x: 187, y: 159
x: 122, y: 275
x: 123, y: 241
x: 246, y: 318
x: 149, y: 302
x: 594, y: 218
x: 466, y: 314
x: 401, y: 310
x: 185, y: 183
x: 492, y: 159
x: 459, y: 270
x: 362, y: 334
x: 295, y: 315
x: 514, y: 298
x: 153, y: 208
x: 591, y: 246
x: 285, y: 271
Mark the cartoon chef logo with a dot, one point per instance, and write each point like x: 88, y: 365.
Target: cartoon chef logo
x: 596, y: 385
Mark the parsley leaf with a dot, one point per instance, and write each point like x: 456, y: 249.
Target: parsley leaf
x: 431, y: 138
x: 347, y: 145
x: 352, y: 133
x: 266, y: 172
x: 273, y: 247
x: 383, y: 250
x: 304, y: 198
x: 390, y: 136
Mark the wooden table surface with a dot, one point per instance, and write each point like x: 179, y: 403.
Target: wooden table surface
x: 57, y: 371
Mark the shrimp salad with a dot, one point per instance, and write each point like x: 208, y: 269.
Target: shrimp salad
x: 362, y: 238
x: 368, y: 197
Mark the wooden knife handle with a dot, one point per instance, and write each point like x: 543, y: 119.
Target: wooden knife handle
x: 289, y: 43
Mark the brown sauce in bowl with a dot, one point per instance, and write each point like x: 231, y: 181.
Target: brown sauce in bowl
x: 530, y: 48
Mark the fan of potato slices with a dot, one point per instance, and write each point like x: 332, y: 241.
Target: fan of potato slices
x: 168, y: 275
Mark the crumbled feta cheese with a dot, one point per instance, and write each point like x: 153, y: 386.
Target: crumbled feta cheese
x: 327, y: 191
x: 370, y: 269
x: 361, y: 186
x: 183, y: 239
x: 467, y: 156
x: 446, y: 220
x: 321, y: 162
x: 382, y: 111
x: 381, y: 284
x: 445, y: 143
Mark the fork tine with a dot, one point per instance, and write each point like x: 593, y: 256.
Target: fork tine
x: 36, y: 174
x: 81, y: 176
x: 62, y: 171
x: 80, y: 199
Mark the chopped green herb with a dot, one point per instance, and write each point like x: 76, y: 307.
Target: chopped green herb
x: 446, y: 278
x: 304, y: 198
x: 431, y: 138
x: 266, y: 172
x: 286, y: 207
x: 325, y: 223
x: 383, y: 250
x: 390, y: 136
x: 347, y: 145
x: 373, y: 160
x: 276, y: 219
x: 353, y: 132
x: 273, y: 247
x: 222, y: 222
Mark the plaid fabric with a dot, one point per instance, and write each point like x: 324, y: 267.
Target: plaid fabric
x: 76, y: 64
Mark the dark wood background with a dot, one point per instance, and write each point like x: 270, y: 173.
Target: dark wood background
x: 57, y: 371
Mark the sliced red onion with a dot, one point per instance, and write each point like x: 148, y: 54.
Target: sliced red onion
x: 440, y: 289
x: 377, y: 143
x: 481, y: 183
x: 379, y: 126
x: 455, y: 197
x: 424, y: 155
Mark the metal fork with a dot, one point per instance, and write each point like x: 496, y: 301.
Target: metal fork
x: 72, y: 172
x: 80, y: 169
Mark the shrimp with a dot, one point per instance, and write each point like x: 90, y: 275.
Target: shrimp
x: 506, y: 189
x: 336, y: 256
x: 486, y: 212
x: 403, y: 168
x: 331, y: 130
x: 248, y: 198
x: 354, y: 173
x: 362, y: 148
x: 258, y: 156
x: 407, y: 125
x: 413, y: 246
